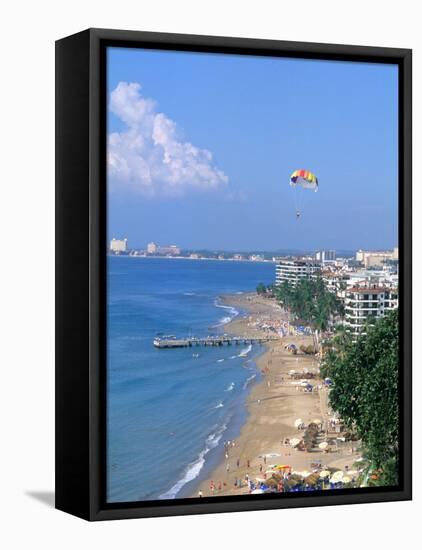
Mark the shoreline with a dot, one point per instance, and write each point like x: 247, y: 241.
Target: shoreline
x: 273, y: 404
x: 189, y: 258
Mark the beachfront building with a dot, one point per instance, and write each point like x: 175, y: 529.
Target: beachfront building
x: 365, y: 304
x: 325, y: 256
x: 171, y: 250
x: 292, y: 271
x: 152, y: 248
x: 387, y: 276
x: 118, y: 246
x: 335, y: 281
x: 157, y: 250
x: 376, y: 259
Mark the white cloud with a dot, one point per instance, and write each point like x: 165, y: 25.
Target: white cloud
x: 148, y: 155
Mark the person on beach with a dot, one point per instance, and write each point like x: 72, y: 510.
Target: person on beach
x: 200, y: 493
x: 260, y: 468
x: 265, y: 459
x: 248, y: 464
x: 238, y: 463
x: 228, y: 468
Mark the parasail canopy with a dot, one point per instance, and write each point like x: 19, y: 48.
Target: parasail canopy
x: 304, y: 179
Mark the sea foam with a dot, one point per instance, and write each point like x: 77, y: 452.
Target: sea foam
x: 232, y: 313
x: 248, y: 381
x: 192, y: 471
x: 245, y: 351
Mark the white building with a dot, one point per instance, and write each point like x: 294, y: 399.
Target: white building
x: 152, y: 248
x: 118, y: 245
x: 335, y: 281
x: 155, y: 249
x: 325, y: 255
x: 364, y: 305
x: 376, y: 259
x: 292, y: 271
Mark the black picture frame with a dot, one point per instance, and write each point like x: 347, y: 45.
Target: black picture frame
x: 81, y: 270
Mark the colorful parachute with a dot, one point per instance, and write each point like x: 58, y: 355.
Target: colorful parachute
x: 304, y: 179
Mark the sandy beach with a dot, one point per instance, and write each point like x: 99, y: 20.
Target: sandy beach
x: 274, y: 404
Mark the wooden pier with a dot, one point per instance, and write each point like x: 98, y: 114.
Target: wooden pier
x: 163, y: 343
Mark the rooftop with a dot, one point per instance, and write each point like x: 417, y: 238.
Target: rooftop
x: 370, y: 290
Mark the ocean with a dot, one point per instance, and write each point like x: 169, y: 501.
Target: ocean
x: 169, y: 412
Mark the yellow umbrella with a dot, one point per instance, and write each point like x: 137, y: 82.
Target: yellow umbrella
x: 336, y: 477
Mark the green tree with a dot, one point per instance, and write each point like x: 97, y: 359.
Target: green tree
x: 261, y: 288
x: 365, y: 391
x: 310, y: 301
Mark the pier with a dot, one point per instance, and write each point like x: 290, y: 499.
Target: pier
x: 163, y: 343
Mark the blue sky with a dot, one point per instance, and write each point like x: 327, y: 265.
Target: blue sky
x: 202, y: 147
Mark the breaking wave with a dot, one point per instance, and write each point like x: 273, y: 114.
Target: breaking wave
x: 193, y: 469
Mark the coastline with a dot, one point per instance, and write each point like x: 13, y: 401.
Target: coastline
x: 273, y: 405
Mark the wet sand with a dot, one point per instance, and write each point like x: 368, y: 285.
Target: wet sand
x: 273, y: 406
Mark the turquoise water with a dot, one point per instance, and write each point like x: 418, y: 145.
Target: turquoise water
x: 168, y: 412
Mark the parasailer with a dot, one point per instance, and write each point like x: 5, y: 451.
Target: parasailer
x: 302, y: 181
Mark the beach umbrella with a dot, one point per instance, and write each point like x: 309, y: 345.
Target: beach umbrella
x: 316, y: 421
x: 260, y: 479
x: 295, y: 441
x: 346, y: 479
x: 272, y: 482
x: 257, y: 492
x: 283, y: 467
x: 294, y: 479
x: 312, y: 479
x: 323, y: 445
x: 324, y: 473
x: 337, y: 477
x: 270, y: 472
x: 303, y: 474
x: 298, y: 423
